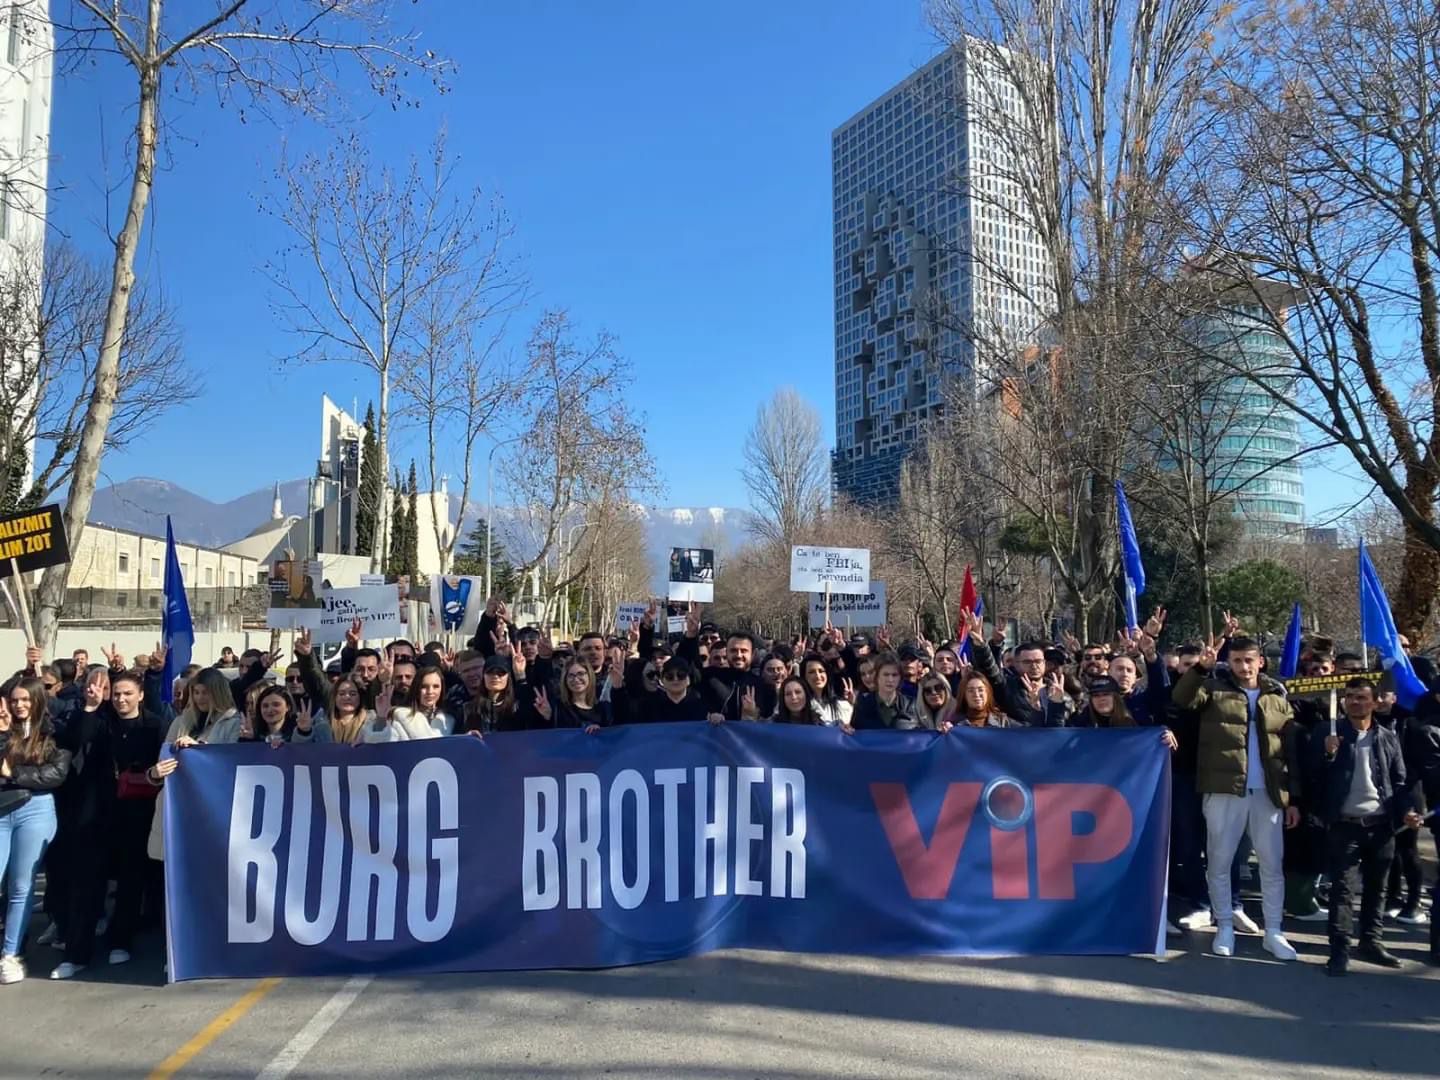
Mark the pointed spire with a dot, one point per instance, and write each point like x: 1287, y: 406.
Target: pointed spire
x: 277, y: 513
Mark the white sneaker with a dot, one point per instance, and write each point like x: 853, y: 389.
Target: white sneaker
x: 1419, y: 918
x: 1318, y: 915
x: 12, y: 970
x: 119, y: 956
x: 1198, y: 920
x: 48, y: 937
x: 1278, y: 947
x: 67, y: 970
x: 1244, y: 923
x: 1392, y: 912
x: 1224, y: 944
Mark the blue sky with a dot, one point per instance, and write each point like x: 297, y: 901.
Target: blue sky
x: 667, y: 169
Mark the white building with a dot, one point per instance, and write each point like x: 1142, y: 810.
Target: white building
x: 931, y: 253
x: 26, y: 68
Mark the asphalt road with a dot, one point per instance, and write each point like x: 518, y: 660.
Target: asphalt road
x: 748, y: 1014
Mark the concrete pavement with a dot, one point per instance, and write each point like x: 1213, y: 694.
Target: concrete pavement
x: 753, y: 1014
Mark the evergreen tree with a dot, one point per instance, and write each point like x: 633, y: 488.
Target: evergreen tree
x: 368, y: 512
x: 470, y: 561
x: 411, y: 549
x: 399, y: 527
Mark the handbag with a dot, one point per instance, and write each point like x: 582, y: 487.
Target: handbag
x: 130, y: 785
x: 12, y: 798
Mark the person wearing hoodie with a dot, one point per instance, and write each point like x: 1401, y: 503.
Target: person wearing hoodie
x: 676, y: 702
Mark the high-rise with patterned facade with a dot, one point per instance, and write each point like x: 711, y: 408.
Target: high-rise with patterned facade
x: 929, y: 244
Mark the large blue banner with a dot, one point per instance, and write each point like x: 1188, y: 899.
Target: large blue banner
x: 561, y: 849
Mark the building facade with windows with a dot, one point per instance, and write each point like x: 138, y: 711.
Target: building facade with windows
x: 1258, y: 437
x: 931, y: 255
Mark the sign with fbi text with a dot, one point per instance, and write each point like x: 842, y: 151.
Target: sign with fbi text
x: 557, y: 849
x: 841, y: 570
x: 33, y: 540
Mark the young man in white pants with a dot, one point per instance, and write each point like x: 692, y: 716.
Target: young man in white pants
x: 1243, y: 776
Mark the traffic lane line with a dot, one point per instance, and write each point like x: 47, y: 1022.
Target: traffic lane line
x: 315, y: 1029
x: 213, y: 1030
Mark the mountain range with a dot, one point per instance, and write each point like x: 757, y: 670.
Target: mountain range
x: 140, y: 505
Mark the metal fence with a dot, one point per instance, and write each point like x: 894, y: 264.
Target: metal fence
x: 214, y: 609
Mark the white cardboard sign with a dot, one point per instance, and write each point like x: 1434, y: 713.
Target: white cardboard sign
x: 844, y: 570
x: 376, y: 606
x: 628, y: 616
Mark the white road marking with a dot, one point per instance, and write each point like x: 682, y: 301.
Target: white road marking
x: 305, y: 1039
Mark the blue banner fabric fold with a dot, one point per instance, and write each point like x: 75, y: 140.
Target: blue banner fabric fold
x: 559, y: 849
x: 1290, y: 654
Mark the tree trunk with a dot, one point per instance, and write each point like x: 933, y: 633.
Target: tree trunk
x: 1420, y: 572
x: 50, y: 597
x: 380, y: 557
x: 1202, y: 571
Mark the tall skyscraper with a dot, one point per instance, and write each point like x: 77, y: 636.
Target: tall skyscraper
x: 929, y: 245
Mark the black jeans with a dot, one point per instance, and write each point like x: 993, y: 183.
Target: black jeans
x: 129, y: 866
x: 1404, y: 887
x: 1370, y: 848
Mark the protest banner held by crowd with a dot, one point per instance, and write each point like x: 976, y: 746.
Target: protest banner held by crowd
x: 107, y: 766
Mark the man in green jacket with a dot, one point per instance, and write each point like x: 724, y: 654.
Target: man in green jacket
x: 1243, y: 776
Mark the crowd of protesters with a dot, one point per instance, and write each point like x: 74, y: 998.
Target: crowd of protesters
x: 85, y: 749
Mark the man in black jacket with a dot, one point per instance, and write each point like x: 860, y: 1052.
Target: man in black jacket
x: 1357, y: 786
x: 727, y: 690
x: 1422, y: 762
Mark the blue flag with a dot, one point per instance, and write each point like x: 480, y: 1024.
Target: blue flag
x: 1378, y: 628
x: 1130, y: 557
x: 177, y: 632
x: 1290, y: 656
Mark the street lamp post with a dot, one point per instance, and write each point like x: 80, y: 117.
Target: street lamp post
x: 490, y: 507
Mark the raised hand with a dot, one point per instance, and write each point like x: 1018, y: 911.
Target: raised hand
x: 352, y: 636
x: 648, y: 619
x: 114, y: 657
x: 847, y: 690
x: 882, y: 636
x: 303, y: 645
x: 617, y: 668
x: 546, y: 646
x: 1072, y: 643
x: 542, y: 704
x: 1156, y: 623
x: 33, y: 658
x: 1055, y: 686
x: 1210, y: 652
x: 975, y: 627
x: 383, y: 702
x: 500, y: 639
x: 692, y: 620
x: 157, y: 658
x: 304, y: 718
x: 749, y: 710
x: 1033, y: 685
x: 517, y: 665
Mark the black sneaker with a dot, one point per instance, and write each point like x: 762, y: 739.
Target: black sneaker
x: 1378, y: 954
x: 1337, y: 965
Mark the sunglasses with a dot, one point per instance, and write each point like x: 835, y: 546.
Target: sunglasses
x: 674, y: 678
x: 937, y: 691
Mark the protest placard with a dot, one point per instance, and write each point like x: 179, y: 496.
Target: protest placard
x: 376, y: 606
x: 32, y: 540
x: 850, y: 609
x: 675, y: 624
x: 628, y: 616
x: 840, y: 570
x: 692, y: 575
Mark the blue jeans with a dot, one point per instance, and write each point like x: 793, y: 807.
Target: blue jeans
x: 24, y: 835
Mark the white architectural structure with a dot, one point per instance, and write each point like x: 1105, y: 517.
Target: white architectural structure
x: 26, y: 69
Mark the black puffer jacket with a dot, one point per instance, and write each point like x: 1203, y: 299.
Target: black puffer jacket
x: 47, y: 775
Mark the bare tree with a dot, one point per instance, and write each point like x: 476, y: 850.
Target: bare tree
x: 454, y: 380
x: 385, y: 268
x: 582, y: 458
x: 1079, y: 111
x: 787, y: 469
x: 52, y: 314
x: 1318, y: 199
x: 253, y: 52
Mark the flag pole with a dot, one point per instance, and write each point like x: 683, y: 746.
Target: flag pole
x: 23, y: 603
